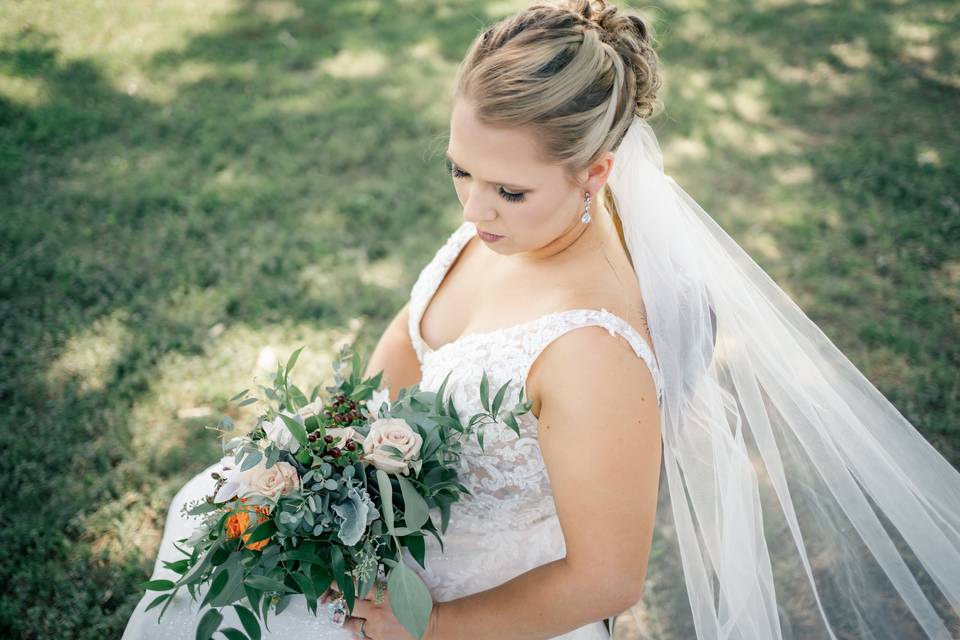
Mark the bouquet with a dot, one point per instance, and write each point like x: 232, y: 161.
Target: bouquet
x: 327, y: 487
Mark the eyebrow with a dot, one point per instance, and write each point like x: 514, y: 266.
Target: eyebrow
x: 514, y: 187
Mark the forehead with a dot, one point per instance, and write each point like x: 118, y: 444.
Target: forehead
x: 486, y: 149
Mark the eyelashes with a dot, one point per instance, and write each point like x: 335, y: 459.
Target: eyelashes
x: 457, y: 172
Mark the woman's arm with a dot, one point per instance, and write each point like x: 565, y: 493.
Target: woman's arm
x: 394, y: 355
x: 599, y: 432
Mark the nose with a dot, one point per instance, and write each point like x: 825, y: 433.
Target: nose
x: 477, y: 206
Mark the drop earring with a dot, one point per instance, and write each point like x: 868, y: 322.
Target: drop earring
x: 585, y: 218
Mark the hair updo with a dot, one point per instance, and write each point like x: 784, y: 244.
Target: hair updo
x: 576, y: 72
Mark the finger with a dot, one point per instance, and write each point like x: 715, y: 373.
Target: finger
x: 362, y: 609
x: 353, y: 624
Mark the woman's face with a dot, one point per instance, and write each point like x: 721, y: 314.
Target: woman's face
x: 505, y: 189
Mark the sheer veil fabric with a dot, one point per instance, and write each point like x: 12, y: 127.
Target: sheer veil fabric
x: 803, y: 503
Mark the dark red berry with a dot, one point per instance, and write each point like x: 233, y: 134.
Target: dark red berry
x: 353, y: 405
x: 351, y: 445
x: 312, y: 437
x: 335, y: 452
x: 328, y: 439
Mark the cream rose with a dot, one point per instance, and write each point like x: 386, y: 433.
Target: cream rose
x: 394, y: 432
x: 310, y: 409
x: 278, y: 432
x: 379, y: 398
x: 279, y: 479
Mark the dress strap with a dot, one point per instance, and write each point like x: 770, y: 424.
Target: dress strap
x: 556, y: 325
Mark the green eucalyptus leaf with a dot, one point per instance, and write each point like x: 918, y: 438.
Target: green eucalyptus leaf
x: 511, y: 421
x: 263, y: 531
x: 451, y: 410
x: 160, y: 598
x: 386, y: 497
x: 410, y: 599
x: 415, y: 509
x: 193, y: 576
x: 417, y: 547
x: 253, y: 599
x: 446, y: 421
x: 392, y: 450
x: 264, y: 583
x: 485, y: 391
x: 344, y: 581
x: 438, y: 401
x: 251, y: 460
x: 159, y: 585
x: 297, y: 429
x: 209, y: 623
x: 216, y: 586
x: 249, y: 621
x: 292, y: 360
x: 498, y: 399
x: 302, y: 556
x: 306, y: 586
x: 233, y: 590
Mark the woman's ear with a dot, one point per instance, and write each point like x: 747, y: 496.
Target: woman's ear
x: 596, y: 174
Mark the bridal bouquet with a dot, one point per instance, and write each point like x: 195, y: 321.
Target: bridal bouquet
x: 325, y: 488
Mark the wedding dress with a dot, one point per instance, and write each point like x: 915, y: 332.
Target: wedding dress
x: 508, y: 525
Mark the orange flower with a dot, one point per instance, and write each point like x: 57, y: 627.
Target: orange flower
x: 239, y: 520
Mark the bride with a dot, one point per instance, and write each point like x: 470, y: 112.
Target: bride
x: 803, y: 504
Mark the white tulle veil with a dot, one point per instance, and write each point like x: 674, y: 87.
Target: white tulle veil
x: 804, y: 505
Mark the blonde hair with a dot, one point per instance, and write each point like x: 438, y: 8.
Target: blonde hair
x: 575, y: 72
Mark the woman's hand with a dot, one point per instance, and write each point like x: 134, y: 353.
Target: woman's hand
x: 380, y: 624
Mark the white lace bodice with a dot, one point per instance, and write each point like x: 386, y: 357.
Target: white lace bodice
x: 511, y: 502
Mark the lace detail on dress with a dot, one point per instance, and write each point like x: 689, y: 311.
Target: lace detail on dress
x: 512, y: 501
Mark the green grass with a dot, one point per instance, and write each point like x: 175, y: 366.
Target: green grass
x: 185, y: 186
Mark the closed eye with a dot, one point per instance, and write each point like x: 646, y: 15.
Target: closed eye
x: 459, y: 173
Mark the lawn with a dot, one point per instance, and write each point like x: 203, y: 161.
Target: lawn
x: 191, y: 190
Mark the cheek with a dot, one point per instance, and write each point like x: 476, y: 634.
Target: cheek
x: 544, y: 215
x: 461, y: 189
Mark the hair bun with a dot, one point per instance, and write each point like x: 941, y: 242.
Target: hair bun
x: 629, y: 35
x: 608, y: 18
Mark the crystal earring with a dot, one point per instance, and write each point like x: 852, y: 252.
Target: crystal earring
x: 585, y: 218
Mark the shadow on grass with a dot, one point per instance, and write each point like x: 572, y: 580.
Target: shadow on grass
x: 141, y: 231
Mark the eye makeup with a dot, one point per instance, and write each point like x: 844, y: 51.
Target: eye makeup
x: 459, y: 173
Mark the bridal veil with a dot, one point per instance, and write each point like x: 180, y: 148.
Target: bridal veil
x: 803, y: 503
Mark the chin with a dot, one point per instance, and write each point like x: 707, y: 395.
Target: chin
x: 501, y: 248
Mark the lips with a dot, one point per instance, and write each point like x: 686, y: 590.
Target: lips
x: 490, y: 234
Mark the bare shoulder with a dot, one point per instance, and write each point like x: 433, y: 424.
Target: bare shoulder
x: 610, y: 359
x: 588, y: 362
